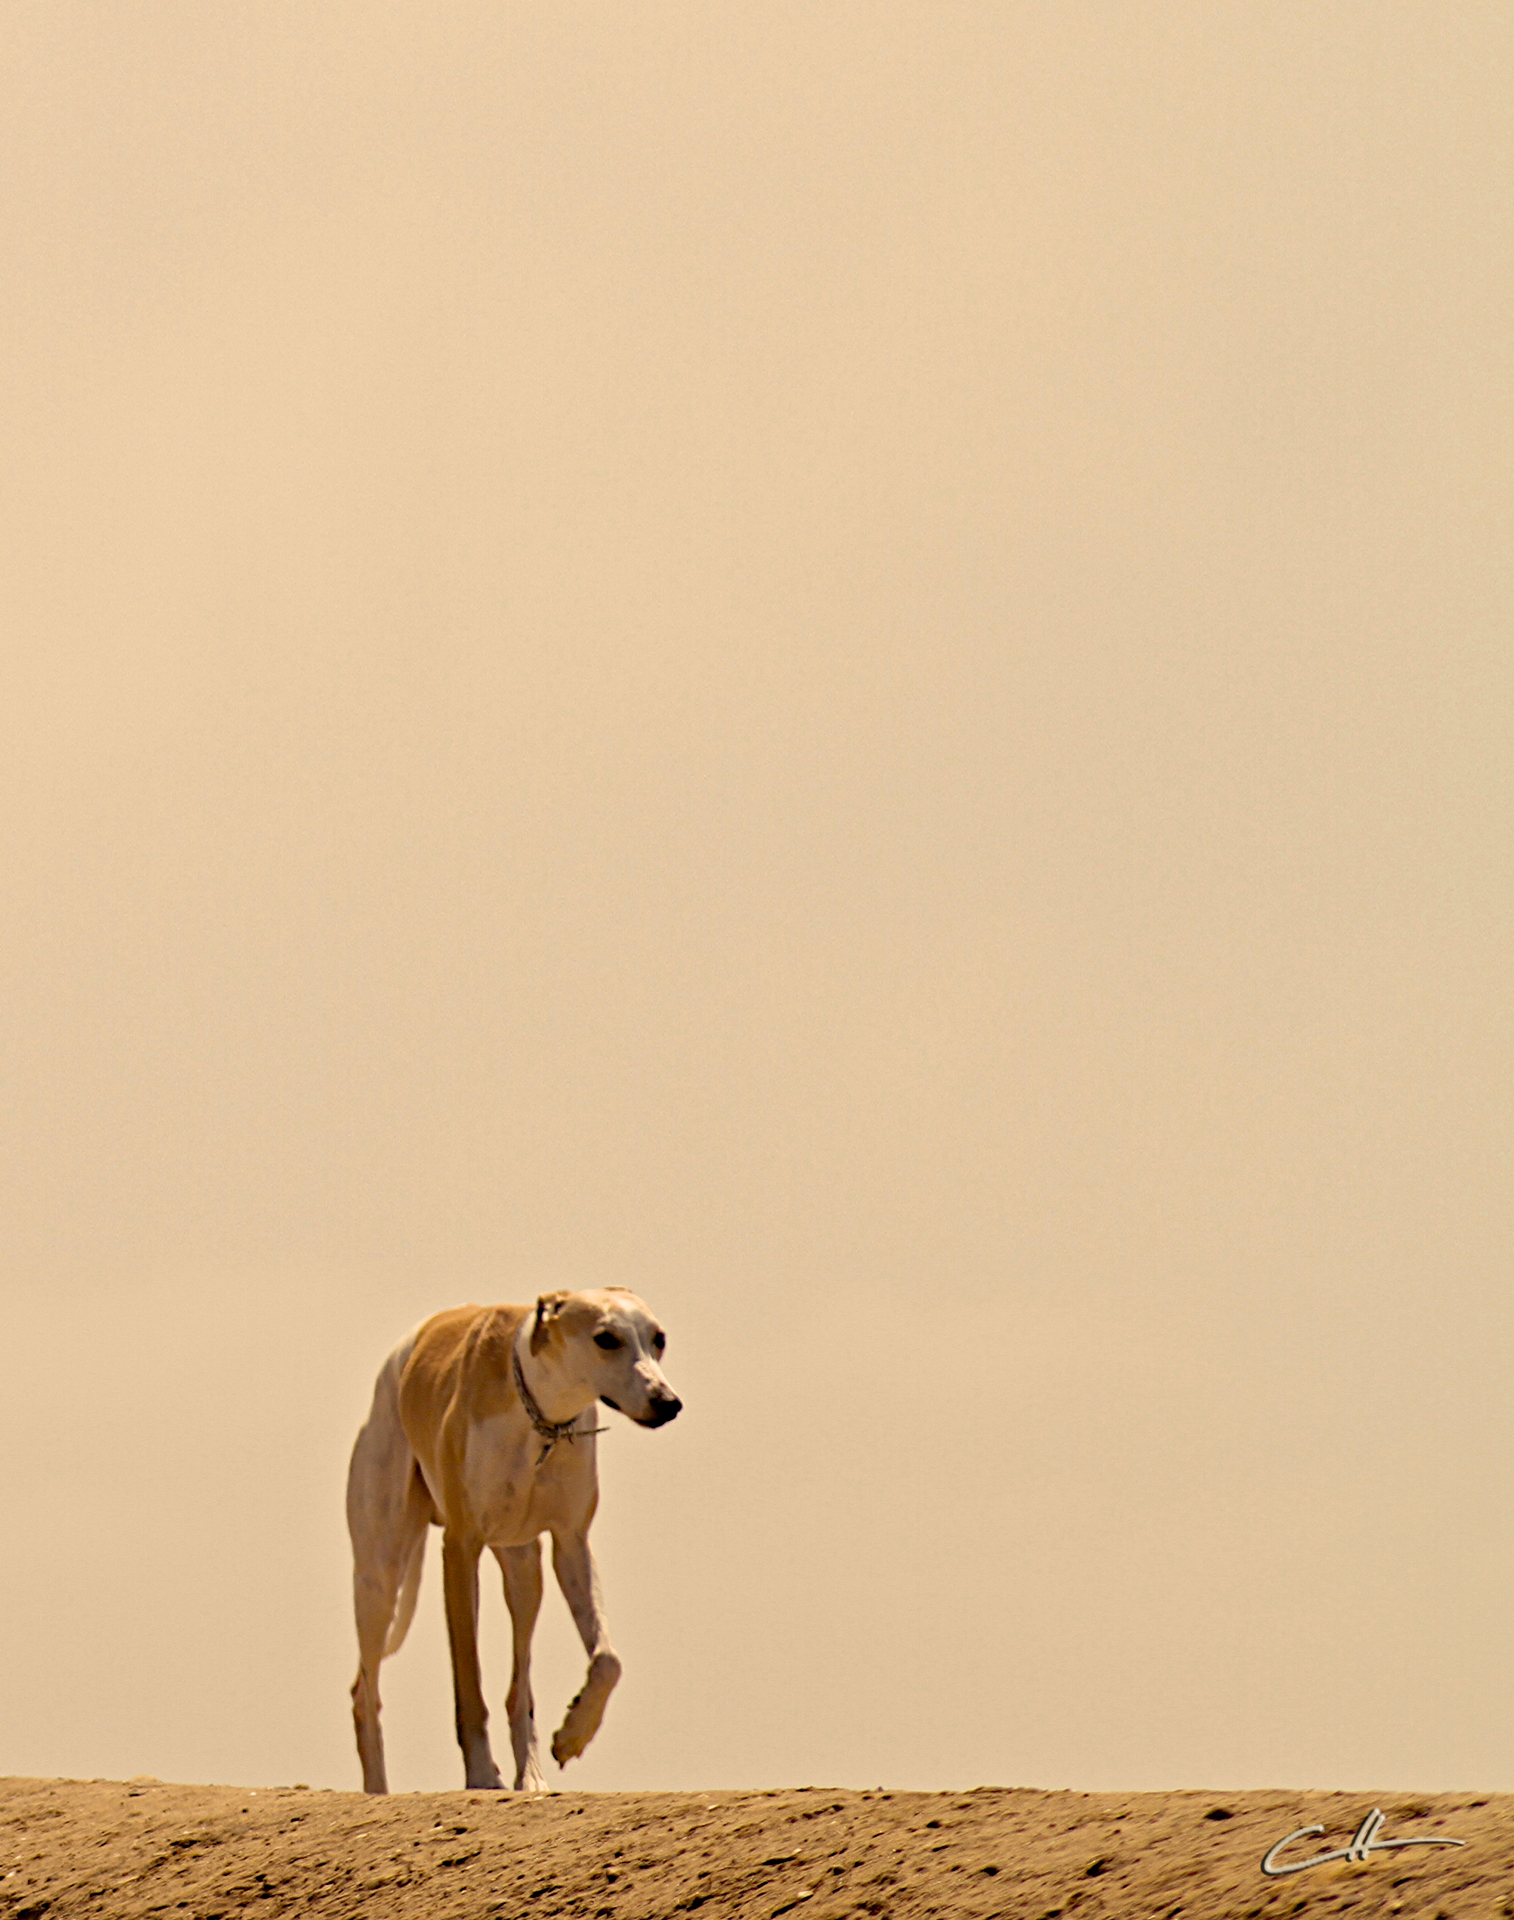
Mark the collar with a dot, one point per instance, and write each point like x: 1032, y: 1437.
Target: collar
x: 551, y: 1431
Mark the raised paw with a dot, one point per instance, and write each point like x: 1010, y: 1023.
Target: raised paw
x: 581, y: 1722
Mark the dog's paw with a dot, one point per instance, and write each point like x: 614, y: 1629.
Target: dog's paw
x: 577, y: 1729
x: 581, y: 1722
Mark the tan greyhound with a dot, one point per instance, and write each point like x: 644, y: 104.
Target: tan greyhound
x: 482, y: 1425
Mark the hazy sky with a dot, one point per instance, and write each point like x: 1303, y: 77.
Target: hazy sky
x: 849, y: 663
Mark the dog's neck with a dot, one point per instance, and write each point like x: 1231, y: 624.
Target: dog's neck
x: 548, y: 1402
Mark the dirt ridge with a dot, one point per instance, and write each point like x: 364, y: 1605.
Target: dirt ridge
x: 105, y: 1849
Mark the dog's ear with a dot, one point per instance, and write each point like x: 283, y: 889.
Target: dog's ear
x: 548, y: 1306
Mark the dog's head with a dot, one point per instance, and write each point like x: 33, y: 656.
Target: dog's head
x: 608, y: 1341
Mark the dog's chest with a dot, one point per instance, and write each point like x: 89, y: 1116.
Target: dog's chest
x: 512, y: 1493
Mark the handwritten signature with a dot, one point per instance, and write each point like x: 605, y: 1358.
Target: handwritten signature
x: 1363, y: 1842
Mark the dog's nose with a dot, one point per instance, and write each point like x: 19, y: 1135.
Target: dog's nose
x: 666, y: 1409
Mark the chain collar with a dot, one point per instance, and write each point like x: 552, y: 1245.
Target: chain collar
x: 551, y: 1431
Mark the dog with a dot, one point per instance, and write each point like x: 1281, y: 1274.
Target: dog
x: 482, y: 1425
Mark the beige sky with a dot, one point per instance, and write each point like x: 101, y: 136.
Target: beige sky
x: 847, y: 663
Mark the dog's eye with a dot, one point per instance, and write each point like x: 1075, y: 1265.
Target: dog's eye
x: 608, y: 1341
x: 659, y: 1341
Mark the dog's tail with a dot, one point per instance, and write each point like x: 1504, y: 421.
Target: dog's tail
x: 404, y: 1606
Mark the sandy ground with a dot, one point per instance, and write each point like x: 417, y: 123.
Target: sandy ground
x: 106, y: 1848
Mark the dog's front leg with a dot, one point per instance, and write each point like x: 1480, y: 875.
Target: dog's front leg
x: 460, y: 1584
x: 521, y: 1567
x: 579, y: 1579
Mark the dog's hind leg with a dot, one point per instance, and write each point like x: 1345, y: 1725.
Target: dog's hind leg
x: 576, y: 1575
x: 388, y: 1509
x: 521, y: 1567
x: 373, y: 1596
x: 460, y: 1587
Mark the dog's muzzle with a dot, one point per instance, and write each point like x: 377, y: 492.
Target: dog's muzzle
x: 661, y: 1408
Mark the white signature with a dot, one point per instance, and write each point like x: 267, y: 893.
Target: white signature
x: 1363, y: 1842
